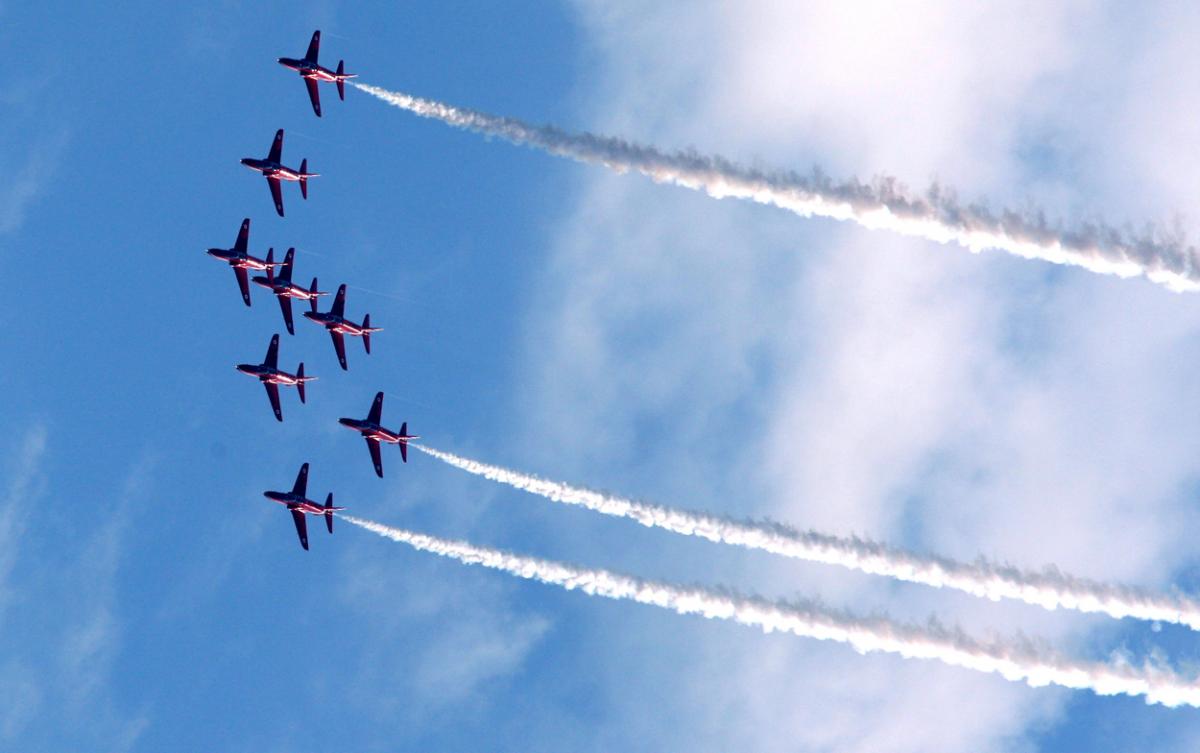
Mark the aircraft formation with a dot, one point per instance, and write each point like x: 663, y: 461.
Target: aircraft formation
x: 277, y: 278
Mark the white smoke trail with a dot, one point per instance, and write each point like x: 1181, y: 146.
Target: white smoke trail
x: 1017, y: 660
x: 1048, y: 588
x: 883, y: 205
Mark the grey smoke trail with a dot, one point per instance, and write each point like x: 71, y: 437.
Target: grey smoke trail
x: 884, y: 204
x: 1048, y: 588
x: 1017, y: 660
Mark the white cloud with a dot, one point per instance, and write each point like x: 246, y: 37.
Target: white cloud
x: 29, y: 178
x: 685, y: 348
x: 25, y: 483
x: 35, y: 142
x: 432, y: 649
x: 62, y: 643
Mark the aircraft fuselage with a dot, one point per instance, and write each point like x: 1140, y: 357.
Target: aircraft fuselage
x: 373, y: 431
x: 309, y: 69
x: 272, y: 376
x: 288, y: 289
x: 239, y: 261
x: 339, y: 324
x: 272, y: 169
x: 296, y: 502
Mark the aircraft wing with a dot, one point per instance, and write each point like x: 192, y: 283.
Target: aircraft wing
x: 289, y: 259
x: 239, y: 246
x: 243, y: 283
x: 339, y: 345
x: 373, y: 446
x: 339, y: 302
x: 301, y: 527
x: 276, y: 148
x: 272, y: 359
x: 314, y: 95
x: 273, y: 396
x: 301, y: 485
x: 314, y: 47
x: 285, y: 305
x: 276, y: 194
x: 376, y: 414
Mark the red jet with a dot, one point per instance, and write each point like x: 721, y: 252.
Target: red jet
x: 274, y: 171
x: 283, y: 287
x: 311, y: 72
x: 338, y: 325
x: 301, y: 505
x: 374, y: 433
x: 240, y: 260
x: 269, y: 374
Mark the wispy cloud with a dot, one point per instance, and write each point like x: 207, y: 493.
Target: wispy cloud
x: 914, y: 393
x: 69, y: 631
x: 25, y: 484
x: 471, y: 638
x: 29, y: 178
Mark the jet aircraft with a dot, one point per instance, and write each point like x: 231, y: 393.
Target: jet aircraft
x: 338, y: 325
x: 300, y: 505
x: 240, y: 260
x: 271, y: 376
x: 374, y: 433
x: 274, y: 171
x: 284, y: 289
x: 311, y: 72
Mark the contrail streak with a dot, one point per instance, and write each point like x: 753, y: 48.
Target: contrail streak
x: 1015, y: 659
x: 883, y: 205
x: 1048, y: 588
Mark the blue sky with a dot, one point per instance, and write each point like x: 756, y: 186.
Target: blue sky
x: 590, y: 327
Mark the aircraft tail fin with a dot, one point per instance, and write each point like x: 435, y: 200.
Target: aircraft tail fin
x: 304, y: 178
x: 271, y: 264
x: 341, y: 84
x: 367, y: 335
x: 312, y: 301
x: 300, y: 383
x: 404, y: 442
x: 329, y: 512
